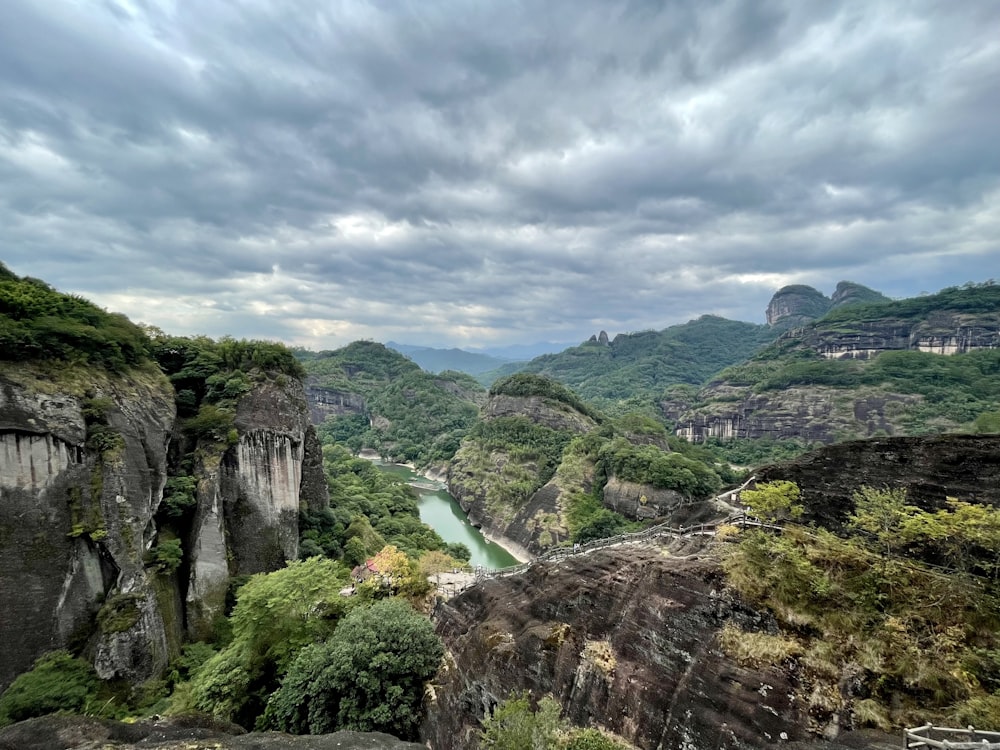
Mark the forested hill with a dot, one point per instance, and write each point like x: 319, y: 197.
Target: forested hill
x: 635, y: 368
x: 916, y: 366
x: 37, y: 322
x: 369, y: 396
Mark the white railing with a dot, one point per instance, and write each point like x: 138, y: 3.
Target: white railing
x: 948, y: 738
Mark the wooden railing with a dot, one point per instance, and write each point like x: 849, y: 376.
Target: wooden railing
x: 947, y: 738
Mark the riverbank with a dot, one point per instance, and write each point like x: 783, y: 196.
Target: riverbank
x: 512, y: 548
x: 443, y: 513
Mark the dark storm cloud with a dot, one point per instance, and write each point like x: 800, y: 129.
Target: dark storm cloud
x: 467, y: 173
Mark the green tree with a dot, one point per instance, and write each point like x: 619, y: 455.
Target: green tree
x: 513, y: 725
x: 275, y: 615
x: 57, y: 682
x: 881, y: 513
x: 774, y: 501
x: 368, y: 677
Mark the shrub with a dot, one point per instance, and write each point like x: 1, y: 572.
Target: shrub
x: 57, y: 682
x: 368, y: 677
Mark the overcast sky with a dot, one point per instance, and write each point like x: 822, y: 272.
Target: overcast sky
x: 475, y: 173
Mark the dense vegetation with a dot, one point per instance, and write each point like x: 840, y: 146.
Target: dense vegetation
x: 517, y: 725
x: 409, y: 415
x: 908, y: 604
x: 37, y: 322
x: 633, y: 369
x: 924, y: 393
x: 368, y: 510
x: 368, y: 676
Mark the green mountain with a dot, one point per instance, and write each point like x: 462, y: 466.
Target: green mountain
x: 439, y: 360
x: 369, y: 396
x: 924, y: 365
x: 635, y: 368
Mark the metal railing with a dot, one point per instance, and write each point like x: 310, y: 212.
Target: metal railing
x: 948, y: 738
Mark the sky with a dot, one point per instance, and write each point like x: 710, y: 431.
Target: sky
x: 475, y: 173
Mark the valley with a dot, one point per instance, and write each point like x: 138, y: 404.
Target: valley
x: 194, y: 527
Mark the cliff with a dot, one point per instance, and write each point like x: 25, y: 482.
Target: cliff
x: 76, y: 516
x: 84, y: 458
x: 503, y: 473
x: 810, y: 413
x: 930, y: 469
x: 795, y: 305
x: 798, y: 304
x: 249, y: 497
x: 626, y: 640
x: 858, y: 372
x: 332, y: 402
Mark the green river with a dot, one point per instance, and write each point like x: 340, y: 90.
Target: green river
x: 441, y: 512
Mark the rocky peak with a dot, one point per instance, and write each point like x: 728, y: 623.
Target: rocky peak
x: 796, y: 305
x: 851, y: 293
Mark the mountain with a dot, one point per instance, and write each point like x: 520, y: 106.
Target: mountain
x: 924, y: 365
x: 799, y: 304
x: 368, y: 396
x: 637, y: 367
x: 439, y: 360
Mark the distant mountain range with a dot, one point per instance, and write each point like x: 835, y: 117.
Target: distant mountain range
x: 476, y: 360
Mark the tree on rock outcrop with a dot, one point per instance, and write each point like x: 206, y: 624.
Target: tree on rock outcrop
x: 368, y: 677
x: 774, y: 501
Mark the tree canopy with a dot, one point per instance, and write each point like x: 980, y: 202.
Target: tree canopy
x: 368, y: 677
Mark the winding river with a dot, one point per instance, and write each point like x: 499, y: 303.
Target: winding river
x: 441, y: 512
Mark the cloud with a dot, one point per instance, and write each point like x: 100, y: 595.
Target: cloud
x: 475, y: 173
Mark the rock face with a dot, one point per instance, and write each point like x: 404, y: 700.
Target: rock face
x: 249, y: 497
x: 641, y: 502
x: 542, y: 411
x: 625, y: 640
x: 75, y: 522
x: 930, y: 469
x: 796, y: 305
x: 480, y: 478
x: 850, y: 293
x: 177, y: 733
x: 329, y: 402
x: 78, y: 516
x: 810, y: 413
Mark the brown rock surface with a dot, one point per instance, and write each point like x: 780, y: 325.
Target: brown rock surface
x: 624, y: 638
x: 179, y: 733
x: 930, y: 469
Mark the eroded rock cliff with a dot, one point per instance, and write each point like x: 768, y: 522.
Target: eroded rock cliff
x: 250, y: 494
x: 626, y: 640
x: 83, y: 464
x: 930, y: 469
x: 76, y: 516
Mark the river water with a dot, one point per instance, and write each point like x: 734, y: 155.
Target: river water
x: 441, y: 512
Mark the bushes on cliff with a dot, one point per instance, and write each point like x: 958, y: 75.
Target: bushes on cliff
x: 57, y: 682
x: 37, y: 322
x: 924, y: 636
x: 515, y: 725
x: 368, y: 677
x: 528, y: 384
x: 275, y: 615
x: 648, y: 464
